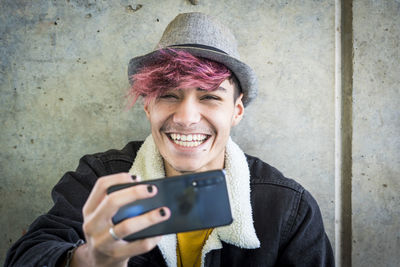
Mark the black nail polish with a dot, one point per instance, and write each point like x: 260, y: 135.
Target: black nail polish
x: 150, y: 188
x: 162, y: 212
x: 133, y: 177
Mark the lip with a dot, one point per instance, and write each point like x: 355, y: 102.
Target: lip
x: 185, y: 148
x: 186, y: 133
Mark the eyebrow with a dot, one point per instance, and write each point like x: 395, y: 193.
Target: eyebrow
x: 220, y: 88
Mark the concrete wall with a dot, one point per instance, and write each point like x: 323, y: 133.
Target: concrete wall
x: 63, y: 80
x: 376, y: 131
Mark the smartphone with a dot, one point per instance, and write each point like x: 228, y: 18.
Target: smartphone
x: 197, y: 201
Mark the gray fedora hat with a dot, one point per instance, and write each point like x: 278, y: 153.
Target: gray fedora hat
x: 202, y: 36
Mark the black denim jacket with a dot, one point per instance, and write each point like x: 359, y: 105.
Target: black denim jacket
x: 287, y: 220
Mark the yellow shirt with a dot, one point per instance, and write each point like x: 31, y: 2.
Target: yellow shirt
x: 190, y: 245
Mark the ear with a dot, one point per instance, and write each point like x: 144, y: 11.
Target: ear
x: 239, y: 111
x: 147, y: 108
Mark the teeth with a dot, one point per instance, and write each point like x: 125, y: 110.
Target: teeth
x: 188, y: 140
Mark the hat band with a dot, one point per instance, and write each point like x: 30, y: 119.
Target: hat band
x: 199, y: 46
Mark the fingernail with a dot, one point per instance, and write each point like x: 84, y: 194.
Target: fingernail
x: 133, y: 177
x: 162, y: 212
x: 150, y: 188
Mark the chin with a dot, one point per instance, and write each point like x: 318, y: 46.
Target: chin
x: 186, y: 167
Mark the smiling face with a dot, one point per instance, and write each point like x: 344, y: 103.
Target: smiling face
x: 191, y: 126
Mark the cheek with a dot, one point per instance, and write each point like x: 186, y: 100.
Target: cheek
x: 222, y: 124
x: 156, y: 118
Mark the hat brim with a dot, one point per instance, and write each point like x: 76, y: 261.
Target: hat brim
x: 246, y: 76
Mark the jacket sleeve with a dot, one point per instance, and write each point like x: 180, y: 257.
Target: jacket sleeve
x: 306, y: 243
x: 51, y: 235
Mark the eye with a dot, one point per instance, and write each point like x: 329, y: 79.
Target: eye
x: 169, y: 96
x: 210, y: 97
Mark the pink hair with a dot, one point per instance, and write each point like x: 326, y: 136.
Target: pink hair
x: 176, y: 69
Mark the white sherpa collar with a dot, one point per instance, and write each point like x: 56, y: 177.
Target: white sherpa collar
x: 149, y: 165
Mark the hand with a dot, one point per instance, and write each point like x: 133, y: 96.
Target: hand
x: 101, y: 249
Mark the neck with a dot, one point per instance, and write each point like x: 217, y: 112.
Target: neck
x: 216, y: 164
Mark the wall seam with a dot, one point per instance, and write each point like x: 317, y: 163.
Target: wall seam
x: 343, y: 131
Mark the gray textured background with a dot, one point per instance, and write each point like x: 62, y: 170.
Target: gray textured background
x: 63, y: 81
x: 376, y: 133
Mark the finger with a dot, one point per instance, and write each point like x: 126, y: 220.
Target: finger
x: 101, y: 217
x: 138, y: 223
x: 99, y: 190
x: 106, y: 242
x: 121, y: 249
x: 137, y: 247
x: 118, y: 199
x: 136, y: 178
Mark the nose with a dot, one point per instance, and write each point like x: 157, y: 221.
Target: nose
x: 187, y: 113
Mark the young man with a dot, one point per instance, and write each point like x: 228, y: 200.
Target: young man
x: 194, y: 92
